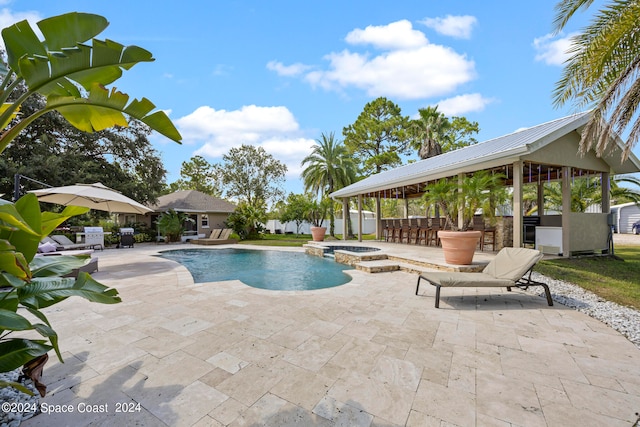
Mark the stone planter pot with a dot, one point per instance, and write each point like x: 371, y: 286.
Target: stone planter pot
x: 459, y: 246
x: 317, y: 233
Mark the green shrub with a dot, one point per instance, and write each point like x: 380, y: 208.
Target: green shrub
x: 171, y: 225
x: 142, y: 238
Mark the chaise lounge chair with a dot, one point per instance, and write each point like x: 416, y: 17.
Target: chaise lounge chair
x: 64, y: 244
x: 506, y: 270
x: 90, y: 265
x: 225, y: 233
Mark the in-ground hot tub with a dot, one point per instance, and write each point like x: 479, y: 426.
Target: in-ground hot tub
x: 345, y: 254
x: 328, y: 250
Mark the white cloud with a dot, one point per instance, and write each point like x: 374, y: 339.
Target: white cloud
x: 430, y: 70
x: 273, y: 128
x: 462, y: 104
x: 289, y: 151
x: 410, y: 67
x: 222, y: 70
x: 455, y: 26
x: 287, y: 70
x: 552, y: 50
x: 397, y: 35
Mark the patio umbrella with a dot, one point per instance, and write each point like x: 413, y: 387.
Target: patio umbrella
x: 93, y: 196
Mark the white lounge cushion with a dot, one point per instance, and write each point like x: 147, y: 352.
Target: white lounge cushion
x: 456, y: 279
x: 512, y: 263
x: 46, y: 247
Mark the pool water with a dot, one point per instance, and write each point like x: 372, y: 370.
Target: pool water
x: 265, y: 269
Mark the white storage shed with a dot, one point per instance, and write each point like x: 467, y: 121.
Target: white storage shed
x: 624, y: 216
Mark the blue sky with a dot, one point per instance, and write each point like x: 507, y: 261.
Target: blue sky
x: 278, y: 73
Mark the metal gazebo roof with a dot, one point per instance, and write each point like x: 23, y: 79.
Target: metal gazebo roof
x: 492, y: 154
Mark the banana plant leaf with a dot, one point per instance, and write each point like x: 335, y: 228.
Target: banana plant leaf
x: 17, y: 386
x: 12, y: 321
x: 16, y: 352
x: 31, y: 225
x: 103, y: 109
x: 58, y: 265
x: 45, y: 291
x: 69, y: 64
x: 62, y: 56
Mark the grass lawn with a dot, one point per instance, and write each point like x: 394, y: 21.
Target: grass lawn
x: 279, y: 240
x: 613, y: 280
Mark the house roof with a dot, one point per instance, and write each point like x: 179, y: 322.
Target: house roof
x: 192, y: 201
x: 495, y: 152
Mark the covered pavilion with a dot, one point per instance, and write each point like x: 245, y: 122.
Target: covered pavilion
x: 544, y: 153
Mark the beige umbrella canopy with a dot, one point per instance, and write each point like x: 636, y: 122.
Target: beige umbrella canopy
x: 93, y: 196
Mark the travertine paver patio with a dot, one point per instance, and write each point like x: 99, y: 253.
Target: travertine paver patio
x: 368, y: 353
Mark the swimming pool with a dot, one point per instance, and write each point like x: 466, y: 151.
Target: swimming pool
x: 265, y: 269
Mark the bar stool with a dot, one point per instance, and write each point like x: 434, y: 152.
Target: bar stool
x: 413, y: 231
x: 432, y: 236
x: 386, y: 231
x: 396, y: 231
x: 423, y: 231
x: 489, y: 231
x: 404, y: 231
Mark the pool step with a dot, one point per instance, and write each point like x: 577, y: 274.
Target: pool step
x: 377, y: 266
x: 383, y: 266
x: 416, y: 266
x: 353, y: 258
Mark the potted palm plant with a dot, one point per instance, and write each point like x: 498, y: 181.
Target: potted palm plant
x: 316, y: 213
x: 480, y: 190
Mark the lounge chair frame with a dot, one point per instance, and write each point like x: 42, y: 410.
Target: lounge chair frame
x: 523, y: 283
x: 62, y: 246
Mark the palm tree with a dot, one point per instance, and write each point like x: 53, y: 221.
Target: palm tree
x: 586, y: 193
x: 621, y: 194
x: 429, y: 131
x: 329, y: 168
x: 602, y: 72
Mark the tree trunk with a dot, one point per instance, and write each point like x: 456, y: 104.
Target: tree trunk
x: 332, y: 221
x: 429, y: 149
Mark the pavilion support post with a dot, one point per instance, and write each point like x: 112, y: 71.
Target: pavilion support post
x: 406, y: 207
x: 359, y: 217
x: 566, y: 211
x: 378, y: 218
x: 517, y: 205
x: 540, y: 201
x: 606, y: 193
x: 460, y: 205
x: 345, y: 217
